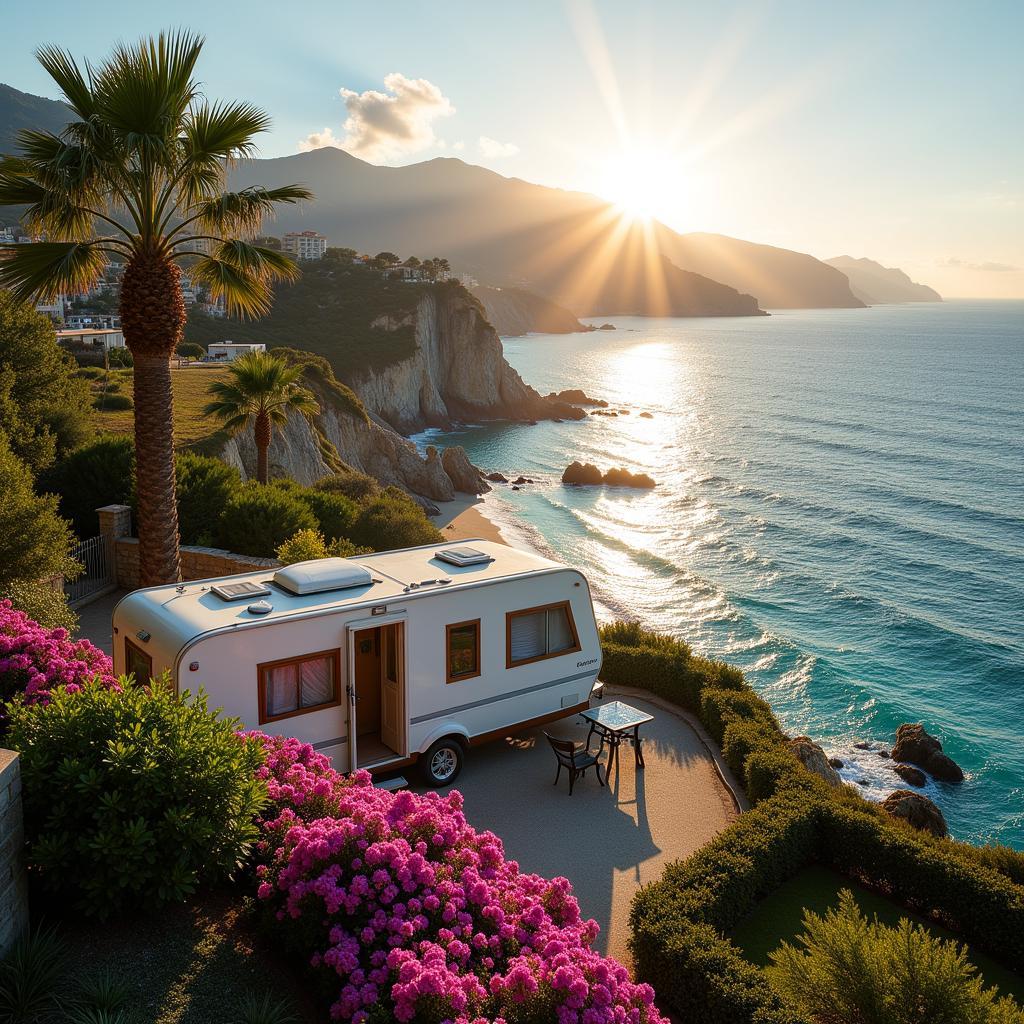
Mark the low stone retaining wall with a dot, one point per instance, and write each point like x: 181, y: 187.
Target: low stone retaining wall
x: 13, y: 879
x: 196, y: 563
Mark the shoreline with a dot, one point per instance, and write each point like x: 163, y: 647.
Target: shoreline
x: 465, y: 519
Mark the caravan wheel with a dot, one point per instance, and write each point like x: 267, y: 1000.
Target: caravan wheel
x: 442, y: 762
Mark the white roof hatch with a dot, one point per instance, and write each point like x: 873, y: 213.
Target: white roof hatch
x: 322, y: 574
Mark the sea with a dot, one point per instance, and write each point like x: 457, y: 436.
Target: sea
x: 839, y: 511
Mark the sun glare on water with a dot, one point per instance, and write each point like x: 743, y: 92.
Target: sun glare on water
x: 643, y: 184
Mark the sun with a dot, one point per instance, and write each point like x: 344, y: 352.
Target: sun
x: 643, y: 183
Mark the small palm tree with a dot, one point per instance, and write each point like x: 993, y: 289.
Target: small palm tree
x: 138, y: 176
x: 262, y: 389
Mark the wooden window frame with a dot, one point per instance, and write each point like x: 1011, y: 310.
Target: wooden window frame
x: 129, y: 645
x: 509, y: 616
x: 462, y: 677
x: 261, y: 673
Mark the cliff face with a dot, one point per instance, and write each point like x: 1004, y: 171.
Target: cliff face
x: 877, y: 285
x: 457, y: 371
x: 515, y: 312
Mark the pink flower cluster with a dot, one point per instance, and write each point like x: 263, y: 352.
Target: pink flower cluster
x: 419, y: 915
x: 35, y: 660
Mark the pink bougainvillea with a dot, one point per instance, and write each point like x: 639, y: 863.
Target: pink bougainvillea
x: 418, y: 915
x: 35, y: 660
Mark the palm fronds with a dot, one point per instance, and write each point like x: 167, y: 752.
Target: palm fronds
x: 48, y: 268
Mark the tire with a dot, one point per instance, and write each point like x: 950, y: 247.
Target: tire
x: 441, y: 764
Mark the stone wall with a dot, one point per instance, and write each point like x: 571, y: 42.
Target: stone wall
x: 196, y: 563
x: 13, y: 879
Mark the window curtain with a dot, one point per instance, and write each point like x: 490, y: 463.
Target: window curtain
x: 317, y: 682
x: 559, y: 632
x: 282, y: 693
x: 528, y: 639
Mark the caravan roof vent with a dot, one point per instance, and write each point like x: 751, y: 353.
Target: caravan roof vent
x: 322, y: 574
x: 464, y: 556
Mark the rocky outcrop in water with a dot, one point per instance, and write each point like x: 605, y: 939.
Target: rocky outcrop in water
x: 457, y: 372
x: 588, y: 475
x: 814, y: 759
x: 916, y: 810
x: 916, y: 745
x: 462, y: 473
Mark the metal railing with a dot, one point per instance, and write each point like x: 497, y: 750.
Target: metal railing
x: 94, y: 555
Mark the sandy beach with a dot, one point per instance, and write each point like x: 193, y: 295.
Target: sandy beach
x: 463, y: 519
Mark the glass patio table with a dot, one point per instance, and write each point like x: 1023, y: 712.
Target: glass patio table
x: 615, y: 722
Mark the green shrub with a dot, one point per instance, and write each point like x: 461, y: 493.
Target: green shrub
x: 111, y: 401
x: 90, y: 372
x: 205, y: 486
x: 258, y: 519
x: 393, y: 520
x: 742, y: 737
x: 335, y: 513
x: 121, y: 357
x: 132, y: 798
x: 357, y: 486
x: 770, y: 770
x: 101, y: 473
x: 190, y: 350
x: 31, y: 976
x: 306, y: 545
x: 35, y: 545
x: 719, y: 707
x: 852, y: 969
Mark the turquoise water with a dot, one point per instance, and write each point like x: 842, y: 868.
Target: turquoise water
x: 840, y: 511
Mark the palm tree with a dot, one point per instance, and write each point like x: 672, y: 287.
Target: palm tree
x: 264, y: 389
x: 140, y: 176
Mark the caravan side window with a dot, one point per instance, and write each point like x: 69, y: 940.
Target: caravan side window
x: 137, y: 663
x: 297, y: 685
x: 462, y: 651
x: 537, y: 633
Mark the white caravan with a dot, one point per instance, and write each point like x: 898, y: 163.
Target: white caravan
x: 381, y: 660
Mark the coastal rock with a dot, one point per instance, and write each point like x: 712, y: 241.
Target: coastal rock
x: 916, y: 745
x: 578, y: 473
x: 814, y: 759
x: 836, y: 762
x: 589, y: 475
x: 647, y: 416
x: 623, y: 478
x: 455, y: 371
x: 883, y: 753
x: 607, y: 327
x: 465, y: 477
x: 916, y: 810
x: 497, y: 478
x: 577, y: 396
x: 908, y: 773
x: 522, y: 480
x: 516, y: 312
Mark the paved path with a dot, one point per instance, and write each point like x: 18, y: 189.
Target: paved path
x: 94, y: 621
x: 606, y: 841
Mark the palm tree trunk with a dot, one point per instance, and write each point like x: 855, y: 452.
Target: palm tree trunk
x: 261, y: 434
x: 152, y: 318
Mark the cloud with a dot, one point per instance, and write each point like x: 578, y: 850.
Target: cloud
x: 491, y: 149
x: 460, y: 145
x: 318, y: 140
x: 392, y: 124
x: 988, y: 266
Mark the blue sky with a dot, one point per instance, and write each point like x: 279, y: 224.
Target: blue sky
x: 892, y: 130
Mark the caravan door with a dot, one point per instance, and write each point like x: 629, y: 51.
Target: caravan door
x: 392, y: 702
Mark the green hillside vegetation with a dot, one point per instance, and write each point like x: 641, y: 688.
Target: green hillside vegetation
x: 328, y: 311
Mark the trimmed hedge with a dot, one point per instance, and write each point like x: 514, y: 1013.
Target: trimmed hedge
x: 679, y: 923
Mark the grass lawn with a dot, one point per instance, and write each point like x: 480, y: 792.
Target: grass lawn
x: 779, y: 917
x: 189, y: 965
x: 190, y: 425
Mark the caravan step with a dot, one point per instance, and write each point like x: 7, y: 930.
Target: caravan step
x: 392, y: 785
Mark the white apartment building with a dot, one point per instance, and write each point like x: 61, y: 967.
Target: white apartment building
x: 229, y: 351
x: 305, y: 245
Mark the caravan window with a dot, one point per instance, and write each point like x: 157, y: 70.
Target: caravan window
x: 297, y: 685
x: 137, y: 663
x: 537, y: 633
x: 463, y: 651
